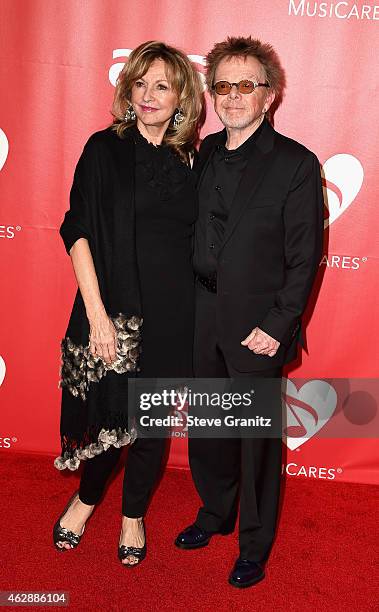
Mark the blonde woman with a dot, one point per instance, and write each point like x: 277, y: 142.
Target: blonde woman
x: 128, y: 231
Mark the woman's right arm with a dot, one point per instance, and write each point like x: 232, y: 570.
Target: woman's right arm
x: 77, y: 232
x: 102, y: 335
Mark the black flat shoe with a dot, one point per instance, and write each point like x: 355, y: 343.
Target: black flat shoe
x: 193, y: 537
x: 138, y: 553
x: 61, y: 534
x: 245, y: 573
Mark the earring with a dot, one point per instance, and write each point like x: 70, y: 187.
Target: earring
x: 178, y: 118
x: 130, y: 114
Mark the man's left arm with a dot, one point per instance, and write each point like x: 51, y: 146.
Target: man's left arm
x: 303, y: 240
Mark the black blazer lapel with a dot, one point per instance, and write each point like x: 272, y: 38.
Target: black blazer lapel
x: 259, y: 157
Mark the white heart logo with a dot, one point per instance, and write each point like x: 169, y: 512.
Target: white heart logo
x: 308, y: 409
x: 343, y: 180
x: 4, y: 148
x: 2, y: 370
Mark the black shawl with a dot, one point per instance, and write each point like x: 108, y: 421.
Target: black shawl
x: 94, y: 394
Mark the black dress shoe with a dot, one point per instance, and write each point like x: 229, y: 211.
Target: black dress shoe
x: 193, y: 537
x: 245, y: 573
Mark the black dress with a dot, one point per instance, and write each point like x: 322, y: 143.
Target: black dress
x: 166, y: 210
x: 165, y: 214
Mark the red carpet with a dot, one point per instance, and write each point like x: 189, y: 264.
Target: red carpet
x: 323, y: 558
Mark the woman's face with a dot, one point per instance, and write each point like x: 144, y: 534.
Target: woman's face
x: 153, y: 99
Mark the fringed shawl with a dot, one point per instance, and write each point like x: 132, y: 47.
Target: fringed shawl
x: 94, y: 412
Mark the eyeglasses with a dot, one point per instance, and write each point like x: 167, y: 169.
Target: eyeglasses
x: 245, y: 87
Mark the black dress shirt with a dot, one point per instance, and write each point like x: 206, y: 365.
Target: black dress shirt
x: 216, y: 193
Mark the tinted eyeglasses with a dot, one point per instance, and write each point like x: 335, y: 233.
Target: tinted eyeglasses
x: 245, y: 87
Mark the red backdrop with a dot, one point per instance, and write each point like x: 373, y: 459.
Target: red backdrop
x: 58, y: 64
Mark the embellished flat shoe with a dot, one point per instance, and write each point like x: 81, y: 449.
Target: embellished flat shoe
x: 138, y: 553
x: 61, y: 534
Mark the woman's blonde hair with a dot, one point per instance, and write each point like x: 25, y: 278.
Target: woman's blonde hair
x: 184, y: 80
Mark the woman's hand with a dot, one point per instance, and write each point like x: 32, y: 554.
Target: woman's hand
x: 103, y: 338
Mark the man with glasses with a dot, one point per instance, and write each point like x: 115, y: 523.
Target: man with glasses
x: 258, y: 244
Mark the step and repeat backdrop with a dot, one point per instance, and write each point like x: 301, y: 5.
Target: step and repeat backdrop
x: 59, y: 61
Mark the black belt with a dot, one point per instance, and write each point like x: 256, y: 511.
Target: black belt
x: 209, y: 283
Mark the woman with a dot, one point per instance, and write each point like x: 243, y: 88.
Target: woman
x: 128, y: 232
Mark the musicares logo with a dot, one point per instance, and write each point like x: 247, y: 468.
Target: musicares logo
x: 308, y: 410
x: 340, y: 10
x: 342, y: 183
x: 4, y: 148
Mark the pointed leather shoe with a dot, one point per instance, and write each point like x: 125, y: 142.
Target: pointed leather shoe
x: 245, y: 573
x: 193, y: 537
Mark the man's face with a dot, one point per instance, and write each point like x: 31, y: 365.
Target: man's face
x: 238, y: 110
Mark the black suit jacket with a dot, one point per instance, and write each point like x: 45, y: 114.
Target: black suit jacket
x: 271, y: 248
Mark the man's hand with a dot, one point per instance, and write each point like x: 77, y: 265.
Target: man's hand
x: 261, y: 343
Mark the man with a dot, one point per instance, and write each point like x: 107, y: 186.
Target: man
x: 258, y: 244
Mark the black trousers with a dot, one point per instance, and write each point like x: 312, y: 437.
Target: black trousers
x: 222, y: 468
x: 142, y: 469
